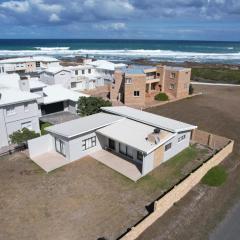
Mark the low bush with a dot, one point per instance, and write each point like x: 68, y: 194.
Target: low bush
x: 22, y: 136
x: 215, y: 176
x: 161, y: 97
x: 43, y: 126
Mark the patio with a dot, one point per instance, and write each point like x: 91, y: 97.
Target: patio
x: 113, y: 161
x: 50, y: 161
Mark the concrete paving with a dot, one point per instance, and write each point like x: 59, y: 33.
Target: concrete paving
x: 118, y: 164
x: 50, y: 161
x: 59, y: 117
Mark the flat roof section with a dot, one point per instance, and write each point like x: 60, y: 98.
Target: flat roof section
x: 135, y: 134
x: 150, y: 119
x: 83, y: 125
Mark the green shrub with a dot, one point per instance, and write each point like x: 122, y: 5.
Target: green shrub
x: 161, y: 97
x: 22, y: 136
x: 43, y: 126
x: 215, y: 176
x: 91, y: 105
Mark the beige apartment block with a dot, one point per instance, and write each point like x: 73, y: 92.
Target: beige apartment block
x: 137, y: 85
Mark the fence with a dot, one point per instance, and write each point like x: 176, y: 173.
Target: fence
x: 167, y: 199
x: 11, y: 150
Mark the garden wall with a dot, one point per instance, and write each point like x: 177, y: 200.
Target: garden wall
x: 165, y: 202
x: 209, y: 139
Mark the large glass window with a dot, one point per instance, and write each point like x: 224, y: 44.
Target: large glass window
x: 139, y: 156
x: 88, y: 143
x: 60, y: 146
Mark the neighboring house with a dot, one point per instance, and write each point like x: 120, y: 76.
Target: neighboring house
x: 137, y: 84
x: 18, y: 110
x: 83, y: 77
x: 27, y: 64
x: 56, y: 75
x: 56, y: 98
x: 105, y: 69
x: 141, y: 138
x: 53, y: 98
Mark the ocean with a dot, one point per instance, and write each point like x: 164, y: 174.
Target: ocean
x: 125, y: 50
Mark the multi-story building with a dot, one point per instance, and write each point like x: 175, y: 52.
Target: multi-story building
x: 27, y: 64
x: 18, y: 110
x: 137, y: 84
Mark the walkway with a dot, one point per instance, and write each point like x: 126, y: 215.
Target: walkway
x: 216, y: 84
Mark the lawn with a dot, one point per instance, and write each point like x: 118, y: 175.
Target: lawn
x: 215, y: 176
x: 170, y: 172
x: 216, y: 74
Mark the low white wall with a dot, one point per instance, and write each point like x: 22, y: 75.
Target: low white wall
x: 40, y: 145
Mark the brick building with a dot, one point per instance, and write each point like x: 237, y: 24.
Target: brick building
x: 136, y: 85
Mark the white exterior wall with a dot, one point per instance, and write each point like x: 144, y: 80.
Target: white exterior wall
x: 148, y: 165
x: 63, y: 78
x: 76, y: 149
x: 3, y: 130
x: 177, y: 147
x: 47, y: 78
x: 40, y: 145
x: 13, y: 123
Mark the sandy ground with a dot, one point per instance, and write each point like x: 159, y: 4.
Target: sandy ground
x: 82, y: 200
x: 201, y: 211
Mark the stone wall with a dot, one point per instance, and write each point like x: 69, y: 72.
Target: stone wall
x: 166, y: 201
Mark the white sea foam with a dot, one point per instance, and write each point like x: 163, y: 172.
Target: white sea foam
x: 125, y: 54
x: 52, y: 48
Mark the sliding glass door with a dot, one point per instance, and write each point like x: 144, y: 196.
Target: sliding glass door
x: 60, y: 146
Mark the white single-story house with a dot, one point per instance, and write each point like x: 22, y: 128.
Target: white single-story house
x: 56, y: 98
x: 133, y: 137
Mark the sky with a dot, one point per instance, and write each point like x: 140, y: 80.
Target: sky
x: 121, y: 19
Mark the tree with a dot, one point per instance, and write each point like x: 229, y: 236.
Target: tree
x: 22, y: 136
x: 91, y: 105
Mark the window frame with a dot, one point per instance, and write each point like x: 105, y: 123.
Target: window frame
x: 139, y: 156
x: 181, y: 138
x: 173, y: 75
x: 93, y: 143
x: 168, y: 146
x: 136, y: 95
x: 172, y: 86
x: 10, y: 112
x: 128, y: 80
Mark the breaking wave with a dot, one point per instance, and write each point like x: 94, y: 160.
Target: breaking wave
x: 165, y: 55
x: 52, y: 48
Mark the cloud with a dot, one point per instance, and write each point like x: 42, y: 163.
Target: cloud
x: 114, y: 16
x: 16, y: 6
x: 111, y: 26
x: 54, y: 18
